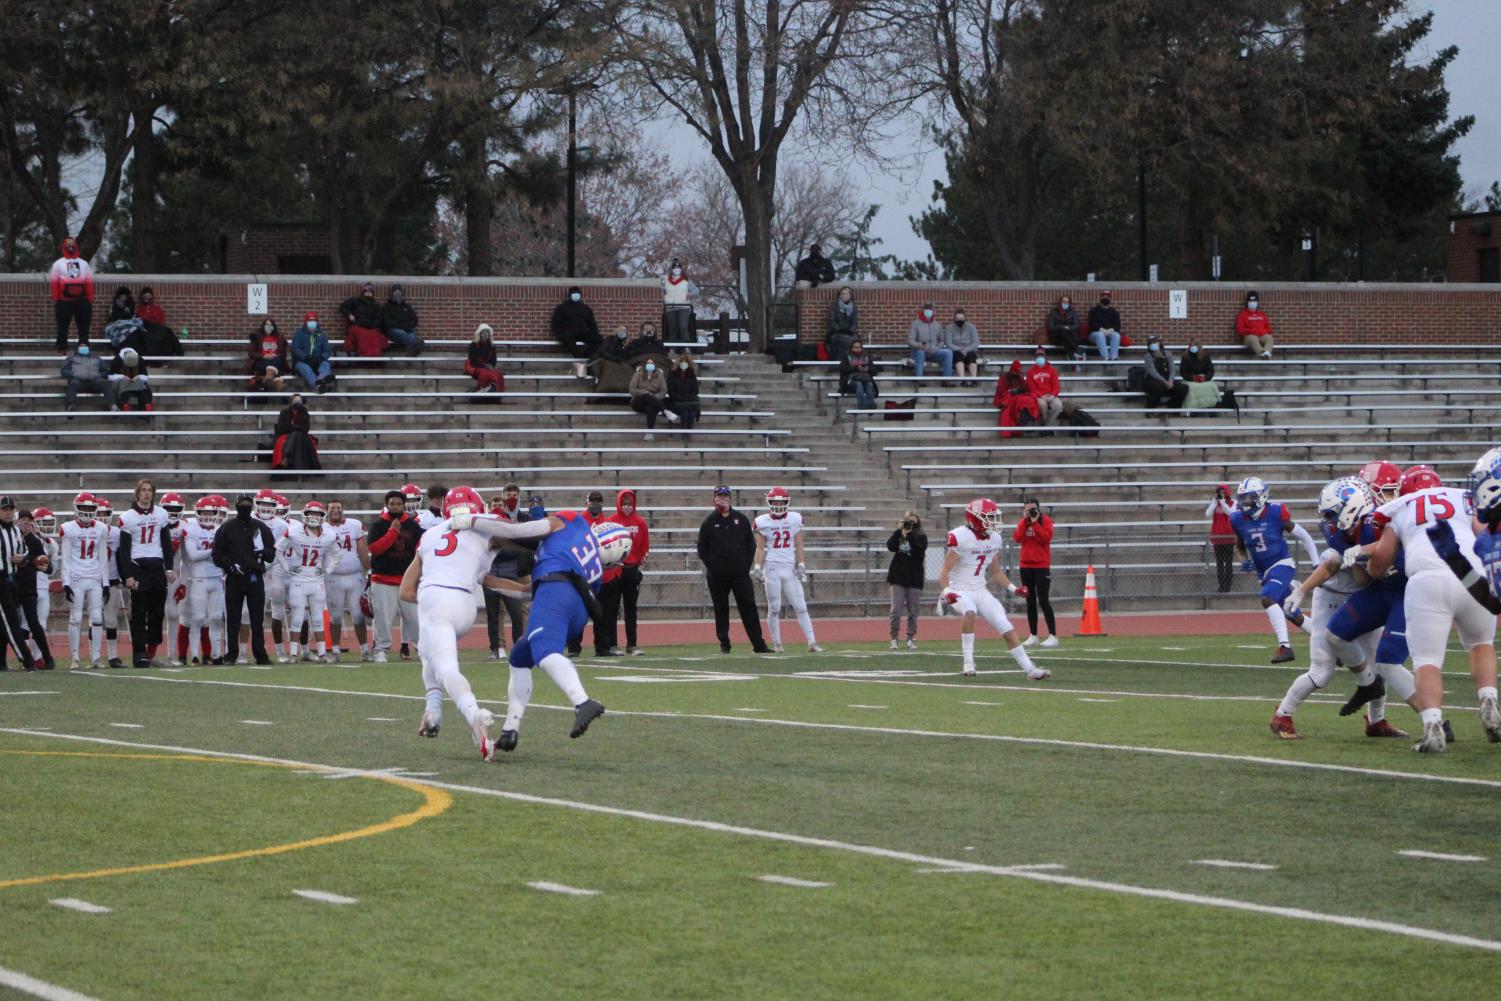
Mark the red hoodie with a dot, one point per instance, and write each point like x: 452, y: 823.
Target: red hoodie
x: 640, y: 535
x: 1042, y: 380
x: 1036, y: 540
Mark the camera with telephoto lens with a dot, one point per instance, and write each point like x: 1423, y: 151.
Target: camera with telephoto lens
x: 908, y: 524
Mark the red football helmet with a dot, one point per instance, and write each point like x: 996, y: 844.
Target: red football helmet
x: 462, y: 499
x: 1383, y: 477
x: 413, y: 493
x: 46, y: 520
x: 983, y: 516
x: 313, y: 514
x: 283, y: 506
x: 208, y: 513
x: 173, y: 505
x: 265, y: 503
x: 778, y: 500
x: 1415, y: 478
x: 106, y: 509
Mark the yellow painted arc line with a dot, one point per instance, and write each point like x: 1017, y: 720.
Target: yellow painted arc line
x: 435, y: 801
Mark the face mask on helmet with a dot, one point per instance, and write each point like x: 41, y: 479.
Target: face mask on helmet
x: 1251, y: 496
x: 265, y: 507
x: 1484, y: 486
x: 1344, y: 502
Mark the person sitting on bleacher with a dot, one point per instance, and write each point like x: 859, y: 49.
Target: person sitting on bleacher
x: 1161, y: 382
x: 1063, y: 328
x: 266, y: 358
x: 399, y: 321
x: 123, y: 307
x: 963, y: 339
x: 682, y: 390
x: 312, y: 354
x: 857, y: 374
x: 156, y: 339
x: 481, y: 364
x: 844, y: 324
x: 362, y: 335
x: 295, y: 446
x: 85, y: 372
x: 612, y: 372
x: 129, y: 383
x: 649, y: 394
x: 1254, y: 327
x: 646, y: 345
x: 1197, y: 369
x: 925, y: 337
x: 574, y: 326
x: 1044, y: 385
x: 1018, y: 407
x: 1105, y: 328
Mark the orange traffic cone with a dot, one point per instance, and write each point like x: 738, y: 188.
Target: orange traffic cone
x: 328, y: 631
x: 1091, y: 624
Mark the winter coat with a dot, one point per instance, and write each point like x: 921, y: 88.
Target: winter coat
x: 853, y: 366
x: 844, y: 321
x: 1104, y: 318
x: 1015, y: 402
x: 311, y: 347
x: 1193, y: 366
x: 961, y: 339
x: 481, y: 355
x: 906, y: 568
x: 1161, y: 368
x: 152, y: 313
x: 653, y: 383
x: 366, y: 312
x: 269, y: 348
x: 815, y: 271
x: 925, y: 335
x: 85, y: 367
x: 398, y: 316
x: 573, y: 322
x: 1063, y: 328
x: 682, y: 387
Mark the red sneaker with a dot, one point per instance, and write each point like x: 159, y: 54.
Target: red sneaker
x: 1382, y: 729
x: 149, y: 407
x: 1282, y: 726
x: 124, y: 407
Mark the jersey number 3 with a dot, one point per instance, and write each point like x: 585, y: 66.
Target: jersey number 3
x: 450, y: 543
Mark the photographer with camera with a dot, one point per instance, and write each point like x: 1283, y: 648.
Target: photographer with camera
x: 909, y: 546
x: 1221, y: 536
x: 1034, y: 532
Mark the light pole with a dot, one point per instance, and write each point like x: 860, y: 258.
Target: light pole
x: 573, y: 157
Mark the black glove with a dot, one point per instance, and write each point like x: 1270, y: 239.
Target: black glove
x: 68, y: 593
x: 106, y: 592
x: 260, y: 569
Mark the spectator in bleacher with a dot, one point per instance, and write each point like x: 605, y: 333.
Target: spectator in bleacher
x: 857, y: 374
x: 909, y: 547
x: 1105, y: 327
x: 71, y: 283
x: 123, y: 306
x: 1034, y: 533
x: 122, y: 326
x: 962, y: 338
x: 574, y: 327
x: 129, y: 382
x: 727, y: 548
x: 481, y: 365
x: 1045, y: 386
x: 295, y: 447
x: 924, y: 338
x: 266, y: 358
x: 512, y: 561
x: 610, y: 366
x: 1161, y: 382
x: 362, y: 316
x: 156, y: 339
x: 844, y: 324
x: 678, y: 293
x: 148, y: 309
x: 1201, y: 392
x: 1221, y: 536
x: 312, y: 355
x: 682, y: 391
x: 813, y: 270
x: 399, y: 321
x: 646, y: 344
x: 648, y: 391
x: 84, y: 372
x: 1254, y: 327
x: 1018, y: 407
x: 1063, y: 327
x: 617, y: 346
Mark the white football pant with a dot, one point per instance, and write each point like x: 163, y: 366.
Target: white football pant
x: 782, y: 582
x: 1436, y: 600
x: 306, y: 602
x: 206, y: 607
x: 90, y: 594
x: 445, y: 615
x: 985, y: 606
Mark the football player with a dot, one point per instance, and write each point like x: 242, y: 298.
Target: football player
x: 414, y: 495
x: 174, y: 609
x: 1484, y: 491
x: 1345, y: 508
x: 961, y: 584
x: 1436, y: 599
x: 205, y: 601
x: 114, y: 593
x: 267, y: 503
x: 346, y: 584
x: 1260, y: 537
x: 779, y: 565
x: 84, y: 542
x: 310, y: 553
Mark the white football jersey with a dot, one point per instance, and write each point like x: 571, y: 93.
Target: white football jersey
x: 308, y: 556
x: 279, y: 528
x: 975, y: 556
x: 145, y: 528
x: 51, y: 549
x: 114, y: 547
x: 198, y: 551
x: 1411, y: 517
x: 85, y: 551
x: 780, y: 535
x: 453, y: 559
x: 347, y: 536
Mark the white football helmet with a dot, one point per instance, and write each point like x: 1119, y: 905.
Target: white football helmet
x: 614, y: 542
x: 1343, y: 502
x: 1485, y: 485
x: 85, y: 507
x: 1252, y: 495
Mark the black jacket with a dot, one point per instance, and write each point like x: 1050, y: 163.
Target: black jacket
x: 726, y: 544
x: 398, y: 316
x: 682, y: 387
x: 814, y: 270
x: 1190, y: 366
x: 25, y: 574
x: 1104, y: 318
x: 907, y: 564
x: 861, y: 365
x: 366, y: 312
x: 572, y: 322
x: 243, y: 546
x: 391, y: 553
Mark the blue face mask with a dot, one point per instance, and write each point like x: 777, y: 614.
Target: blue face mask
x: 312, y: 326
x: 1193, y: 349
x: 576, y: 297
x: 927, y: 314
x: 83, y: 349
x: 650, y: 367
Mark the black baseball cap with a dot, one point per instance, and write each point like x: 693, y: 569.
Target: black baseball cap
x: 595, y: 495
x: 7, y: 501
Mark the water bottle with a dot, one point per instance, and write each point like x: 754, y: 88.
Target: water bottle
x: 183, y: 335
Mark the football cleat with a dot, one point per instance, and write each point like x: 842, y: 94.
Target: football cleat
x: 1363, y: 694
x: 1434, y: 741
x: 584, y: 713
x: 1039, y: 674
x: 1490, y: 719
x: 1382, y: 728
x: 1285, y: 654
x: 814, y: 648
x: 1449, y: 733
x: 116, y: 662
x: 969, y: 670
x: 379, y: 657
x: 1283, y: 727
x: 776, y: 648
x: 483, y: 720
x: 430, y: 725
x: 508, y: 740
x: 75, y: 661
x: 406, y: 651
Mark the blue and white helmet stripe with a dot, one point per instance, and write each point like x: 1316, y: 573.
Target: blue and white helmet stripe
x: 1252, y: 494
x: 1485, y: 485
x: 614, y: 542
x: 1345, y: 501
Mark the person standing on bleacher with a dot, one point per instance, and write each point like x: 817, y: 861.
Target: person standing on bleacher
x: 678, y: 293
x: 72, y: 285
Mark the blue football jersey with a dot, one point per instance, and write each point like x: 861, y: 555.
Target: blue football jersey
x: 1365, y: 534
x: 571, y: 549
x: 1488, y: 548
x: 1262, y: 536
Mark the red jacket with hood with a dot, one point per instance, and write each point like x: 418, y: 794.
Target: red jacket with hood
x: 640, y: 535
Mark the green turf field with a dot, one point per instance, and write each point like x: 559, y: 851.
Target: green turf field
x: 933, y: 837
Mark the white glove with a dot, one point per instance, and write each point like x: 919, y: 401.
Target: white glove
x: 1294, y: 600
x: 801, y: 572
x: 1352, y: 556
x: 758, y: 575
x: 460, y: 520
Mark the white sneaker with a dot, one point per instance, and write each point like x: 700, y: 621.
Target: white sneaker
x: 1050, y: 642
x: 969, y: 670
x: 1039, y: 674
x: 364, y: 655
x: 893, y: 644
x: 93, y: 665
x: 379, y: 657
x: 1030, y: 641
x: 672, y: 418
x: 1433, y: 741
x: 173, y: 662
x: 75, y: 664
x: 484, y: 719
x: 650, y: 436
x: 912, y: 644
x: 1490, y: 719
x: 814, y: 648
x: 333, y: 657
x: 776, y: 648
x: 281, y: 658
x: 243, y: 660
x: 308, y: 657
x: 1266, y: 355
x: 634, y: 651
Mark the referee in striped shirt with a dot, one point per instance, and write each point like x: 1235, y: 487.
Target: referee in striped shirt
x: 14, y: 556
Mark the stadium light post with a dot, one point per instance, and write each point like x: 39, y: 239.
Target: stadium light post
x: 572, y: 91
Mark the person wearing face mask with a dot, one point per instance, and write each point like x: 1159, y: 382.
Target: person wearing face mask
x: 574, y: 326
x: 844, y: 324
x: 129, y: 382
x: 266, y: 357
x: 244, y: 550
x: 1044, y: 385
x: 857, y: 374
x: 156, y: 340
x: 362, y: 318
x: 71, y: 282
x: 1201, y: 392
x: 1161, y: 383
x: 122, y: 327
x: 295, y: 447
x: 83, y: 372
x: 924, y: 338
x: 963, y: 339
x: 1255, y: 327
x: 123, y: 307
x: 481, y: 364
x: 1105, y: 327
x: 312, y: 355
x: 1063, y: 327
x: 727, y: 548
x: 648, y: 395
x: 399, y: 321
x: 682, y: 391
x: 678, y: 293
x: 647, y: 345
x: 1018, y: 407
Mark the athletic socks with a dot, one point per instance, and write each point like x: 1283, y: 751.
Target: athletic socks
x: 1365, y: 677
x: 1432, y: 716
x: 435, y: 705
x: 1375, y: 710
x: 561, y: 670
x: 967, y: 644
x: 73, y: 636
x: 1020, y: 656
x: 517, y: 696
x: 1278, y: 620
x: 467, y: 704
x: 1302, y: 687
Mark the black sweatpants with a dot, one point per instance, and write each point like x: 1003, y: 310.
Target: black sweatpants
x: 720, y: 589
x: 69, y: 312
x: 1039, y: 582
x: 147, y: 603
x: 513, y: 606
x: 34, y: 624
x: 609, y: 620
x: 10, y: 624
x: 1224, y: 565
x: 250, y: 590
x: 630, y: 592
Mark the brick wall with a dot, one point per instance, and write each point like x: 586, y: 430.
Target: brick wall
x: 1468, y: 234
x: 1009, y: 313
x: 214, y: 307
x: 257, y: 249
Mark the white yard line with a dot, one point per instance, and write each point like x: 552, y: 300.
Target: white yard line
x: 874, y: 851
x: 859, y: 706
x: 324, y: 897
x: 129, y: 726
x: 809, y: 884
x: 82, y: 906
x: 257, y: 722
x: 3, y: 694
x: 1440, y: 856
x: 984, y: 703
x: 383, y: 719
x: 1219, y: 863
x: 1099, y: 700
x: 747, y: 709
x: 39, y: 988
x: 571, y: 891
